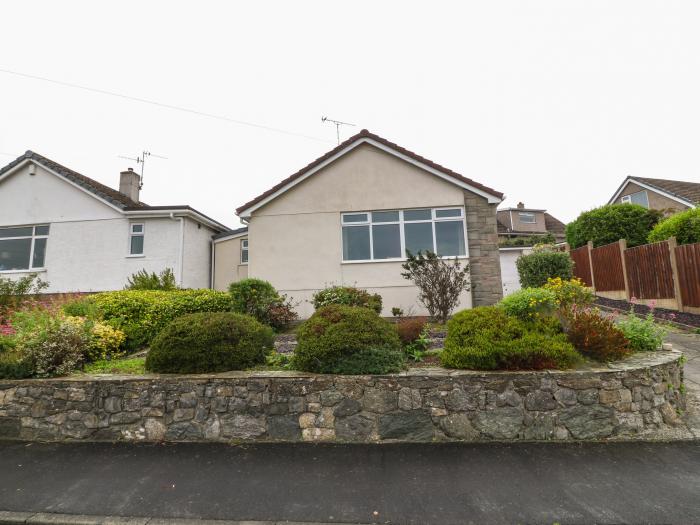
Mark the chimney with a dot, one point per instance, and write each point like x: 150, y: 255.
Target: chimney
x: 129, y: 182
x: 521, y: 206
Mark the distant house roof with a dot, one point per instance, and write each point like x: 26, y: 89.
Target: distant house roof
x: 238, y: 232
x: 687, y: 192
x: 105, y: 193
x: 365, y: 136
x: 551, y: 224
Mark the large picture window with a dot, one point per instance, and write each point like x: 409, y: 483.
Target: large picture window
x: 23, y: 247
x: 385, y: 235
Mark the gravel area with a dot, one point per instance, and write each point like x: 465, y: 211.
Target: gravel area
x: 662, y: 314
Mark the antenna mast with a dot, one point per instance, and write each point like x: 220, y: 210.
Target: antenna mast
x: 142, y: 160
x: 337, y: 123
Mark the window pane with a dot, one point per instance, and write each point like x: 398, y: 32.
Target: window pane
x: 640, y: 198
x: 439, y: 214
x: 244, y: 256
x: 137, y: 228
x: 450, y: 238
x: 385, y: 216
x: 244, y: 243
x: 355, y: 217
x: 41, y: 230
x: 137, y: 245
x: 417, y: 215
x: 16, y: 232
x: 528, y: 218
x: 39, y: 253
x: 356, y: 243
x: 419, y: 237
x: 386, y: 239
x: 14, y: 254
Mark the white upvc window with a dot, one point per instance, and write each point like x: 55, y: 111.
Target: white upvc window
x: 393, y: 234
x: 244, y: 251
x: 137, y: 232
x: 527, y: 217
x: 640, y: 197
x: 23, y: 247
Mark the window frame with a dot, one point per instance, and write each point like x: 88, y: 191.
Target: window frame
x: 529, y: 214
x: 244, y: 249
x: 33, y: 237
x: 401, y: 222
x: 133, y: 234
x: 627, y: 199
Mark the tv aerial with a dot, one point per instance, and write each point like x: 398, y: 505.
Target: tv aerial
x: 142, y: 161
x: 337, y: 123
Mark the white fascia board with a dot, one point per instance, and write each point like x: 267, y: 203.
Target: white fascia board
x: 64, y: 179
x: 177, y: 212
x: 649, y: 188
x: 492, y: 199
x: 230, y: 237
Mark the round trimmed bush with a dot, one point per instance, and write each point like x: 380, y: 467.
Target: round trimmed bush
x: 348, y: 296
x: 684, y: 226
x: 487, y: 338
x: 209, y: 342
x: 610, y: 223
x: 340, y: 339
x: 534, y: 269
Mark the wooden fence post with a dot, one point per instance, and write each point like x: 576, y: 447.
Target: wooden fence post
x: 590, y: 263
x: 623, y: 247
x: 674, y: 272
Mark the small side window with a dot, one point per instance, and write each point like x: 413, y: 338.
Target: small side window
x: 244, y: 251
x: 136, y: 235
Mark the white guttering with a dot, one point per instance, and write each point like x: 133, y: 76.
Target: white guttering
x: 145, y: 213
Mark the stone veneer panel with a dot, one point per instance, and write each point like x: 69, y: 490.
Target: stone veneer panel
x: 484, y: 257
x: 640, y: 398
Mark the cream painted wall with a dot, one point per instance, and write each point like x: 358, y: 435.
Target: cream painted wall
x: 296, y: 238
x: 227, y: 263
x: 88, y: 244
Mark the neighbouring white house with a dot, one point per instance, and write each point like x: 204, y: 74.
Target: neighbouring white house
x: 351, y: 216
x: 83, y: 236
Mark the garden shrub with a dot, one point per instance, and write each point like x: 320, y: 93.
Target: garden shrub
x: 611, y: 223
x: 13, y: 367
x: 348, y: 296
x: 259, y: 299
x: 684, y: 226
x: 487, y: 338
x: 141, y: 314
x: 15, y: 292
x: 209, y: 342
x: 341, y: 339
x: 570, y: 292
x: 643, y: 333
x: 529, y: 304
x: 534, y: 269
x: 595, y: 336
x: 142, y: 280
x: 410, y: 328
x: 440, y: 282
x: 57, y: 349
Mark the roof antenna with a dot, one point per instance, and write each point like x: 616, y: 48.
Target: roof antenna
x: 142, y: 160
x: 337, y: 123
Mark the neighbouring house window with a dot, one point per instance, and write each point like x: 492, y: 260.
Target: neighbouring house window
x: 639, y: 197
x: 382, y: 235
x: 244, y: 251
x: 23, y: 247
x: 527, y: 217
x: 136, y: 239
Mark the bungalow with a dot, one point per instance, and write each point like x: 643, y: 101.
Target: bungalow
x: 659, y: 194
x: 351, y: 216
x: 83, y: 236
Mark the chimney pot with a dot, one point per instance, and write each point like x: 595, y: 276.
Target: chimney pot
x: 129, y: 182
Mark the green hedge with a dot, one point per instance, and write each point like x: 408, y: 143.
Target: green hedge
x: 348, y: 296
x: 340, y: 339
x: 209, y: 342
x: 536, y: 268
x: 684, y: 226
x: 611, y: 223
x: 141, y: 314
x: 487, y: 338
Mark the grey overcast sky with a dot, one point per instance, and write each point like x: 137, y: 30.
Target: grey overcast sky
x: 551, y: 102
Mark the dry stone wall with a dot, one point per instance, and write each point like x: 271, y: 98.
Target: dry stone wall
x: 642, y: 398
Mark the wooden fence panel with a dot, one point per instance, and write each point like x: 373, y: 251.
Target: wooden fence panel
x: 649, y: 271
x: 582, y: 264
x: 688, y: 262
x: 607, y: 268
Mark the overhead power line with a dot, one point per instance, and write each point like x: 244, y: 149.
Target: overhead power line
x: 162, y: 105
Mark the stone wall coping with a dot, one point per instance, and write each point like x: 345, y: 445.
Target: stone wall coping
x: 636, y: 361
